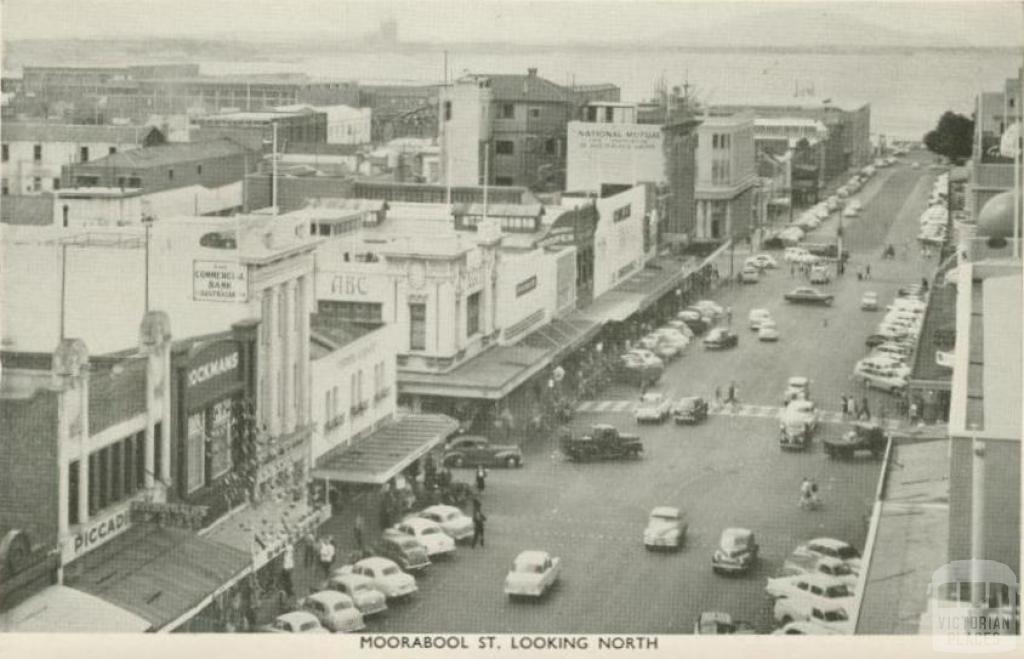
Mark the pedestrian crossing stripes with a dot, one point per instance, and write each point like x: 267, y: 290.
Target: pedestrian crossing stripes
x: 755, y: 411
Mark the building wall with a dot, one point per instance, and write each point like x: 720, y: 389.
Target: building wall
x: 465, y: 121
x: 680, y: 145
x: 619, y: 243
x: 211, y: 173
x: 623, y: 153
x: 26, y: 175
x: 536, y: 133
x: 369, y: 360
x: 29, y: 466
x: 527, y: 293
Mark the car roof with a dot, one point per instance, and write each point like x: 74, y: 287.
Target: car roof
x: 349, y: 578
x: 532, y: 556
x: 665, y: 511
x: 298, y: 617
x: 798, y: 379
x: 329, y: 597
x: 828, y: 542
x: 715, y: 616
x: 376, y: 562
x: 689, y: 400
x: 441, y: 509
x: 419, y: 522
x: 759, y: 311
x: 818, y: 579
x: 733, y: 533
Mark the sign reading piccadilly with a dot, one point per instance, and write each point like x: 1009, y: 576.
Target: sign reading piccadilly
x: 219, y: 281
x: 212, y: 369
x: 96, y: 533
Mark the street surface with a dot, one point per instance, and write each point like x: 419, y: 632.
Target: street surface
x: 728, y: 471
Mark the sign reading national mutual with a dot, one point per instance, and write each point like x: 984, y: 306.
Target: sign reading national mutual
x: 219, y: 281
x: 616, y: 136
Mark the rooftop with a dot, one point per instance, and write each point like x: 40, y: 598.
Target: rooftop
x: 15, y: 131
x: 528, y: 87
x: 253, y: 116
x: 328, y: 335
x: 168, y: 154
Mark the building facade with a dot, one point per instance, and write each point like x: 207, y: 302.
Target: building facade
x: 256, y: 130
x: 726, y: 178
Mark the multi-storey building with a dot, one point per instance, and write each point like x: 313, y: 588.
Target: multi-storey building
x: 726, y: 177
x: 256, y: 130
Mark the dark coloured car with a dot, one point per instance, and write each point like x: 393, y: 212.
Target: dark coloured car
x: 720, y: 338
x: 405, y: 550
x: 603, y: 442
x: 473, y: 450
x: 808, y: 295
x: 717, y: 622
x: 690, y: 409
x: 861, y: 437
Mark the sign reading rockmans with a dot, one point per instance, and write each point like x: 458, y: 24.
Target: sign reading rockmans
x: 219, y: 281
x: 212, y: 369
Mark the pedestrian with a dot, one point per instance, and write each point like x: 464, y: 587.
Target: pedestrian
x: 854, y: 408
x: 728, y: 316
x: 326, y: 556
x: 842, y: 405
x: 357, y: 529
x: 718, y: 396
x: 864, y: 408
x: 287, y: 566
x: 732, y: 394
x: 309, y: 549
x: 478, y: 526
x: 481, y: 478
x: 867, y: 271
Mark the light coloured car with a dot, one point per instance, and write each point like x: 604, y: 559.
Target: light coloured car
x: 768, y: 331
x: 825, y: 613
x: 428, y: 533
x: 366, y: 597
x: 756, y: 316
x: 798, y: 387
x: 646, y: 356
x: 832, y: 548
x: 673, y: 336
x: 717, y: 622
x: 750, y: 275
x: 798, y: 414
x: 881, y: 363
x: 295, y: 622
x: 533, y: 574
x: 653, y: 407
x: 712, y: 308
x: 385, y: 575
x: 452, y: 520
x: 679, y: 326
x: 827, y: 565
x: 665, y: 350
x: 793, y: 254
x: 666, y: 528
x: 335, y: 611
x: 812, y: 585
x: 737, y: 551
x: 809, y: 627
x: 892, y: 333
x: 820, y: 275
x: 763, y: 261
x: 900, y: 353
x: 851, y: 211
x: 869, y: 301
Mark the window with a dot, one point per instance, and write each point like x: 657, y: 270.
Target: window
x: 473, y: 314
x: 551, y: 147
x: 622, y: 213
x: 508, y: 111
x: 195, y: 449
x: 535, y: 113
x: 199, y: 170
x: 4, y: 190
x: 56, y: 184
x: 417, y: 327
x: 84, y: 154
x: 504, y: 180
x: 37, y: 152
x: 353, y: 312
x: 592, y: 114
x: 170, y: 174
x: 219, y: 424
x: 5, y: 153
x: 134, y: 182
x: 447, y: 110
x: 73, y: 493
x: 609, y: 114
x: 112, y: 150
x: 504, y: 147
x: 37, y: 184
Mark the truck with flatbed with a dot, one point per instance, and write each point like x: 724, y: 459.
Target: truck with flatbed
x: 601, y: 442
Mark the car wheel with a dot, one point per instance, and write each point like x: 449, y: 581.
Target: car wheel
x: 786, y: 620
x: 511, y: 462
x: 458, y: 461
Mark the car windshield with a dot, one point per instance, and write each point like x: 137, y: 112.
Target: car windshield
x: 342, y: 605
x: 528, y: 568
x: 390, y: 571
x: 835, y: 615
x: 838, y: 591
x: 847, y: 552
x: 307, y: 626
x: 429, y: 530
x: 409, y: 545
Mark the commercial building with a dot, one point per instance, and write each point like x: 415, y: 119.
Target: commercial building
x: 35, y: 153
x: 256, y: 130
x: 726, y: 178
x: 345, y: 124
x: 991, y: 170
x: 616, y: 153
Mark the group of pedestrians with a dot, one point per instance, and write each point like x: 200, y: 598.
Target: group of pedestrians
x: 854, y: 409
x: 731, y: 396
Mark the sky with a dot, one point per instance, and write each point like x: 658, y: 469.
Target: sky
x: 974, y: 22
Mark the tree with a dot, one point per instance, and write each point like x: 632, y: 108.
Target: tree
x: 953, y: 137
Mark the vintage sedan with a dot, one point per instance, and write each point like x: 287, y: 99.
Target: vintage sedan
x: 807, y: 627
x: 385, y: 575
x: 750, y: 275
x: 367, y: 599
x: 869, y: 301
x: 428, y: 533
x: 694, y: 319
x: 758, y: 316
x: 718, y: 622
x: 798, y: 387
x: 295, y: 622
x: 826, y: 565
x: 473, y: 450
x: 799, y: 413
x: 764, y: 261
x: 811, y: 585
x: 653, y: 407
x: 690, y: 409
x: 335, y: 611
x: 737, y: 551
x: 452, y: 520
x: 533, y: 574
x: 832, y: 548
x: 720, y: 338
x: 808, y: 295
x: 405, y: 550
x: 768, y: 331
x: 666, y: 529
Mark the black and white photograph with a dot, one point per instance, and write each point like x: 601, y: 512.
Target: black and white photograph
x: 481, y: 328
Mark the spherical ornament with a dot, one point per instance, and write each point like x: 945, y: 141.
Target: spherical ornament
x: 995, y: 221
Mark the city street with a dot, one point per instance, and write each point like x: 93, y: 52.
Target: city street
x: 728, y: 471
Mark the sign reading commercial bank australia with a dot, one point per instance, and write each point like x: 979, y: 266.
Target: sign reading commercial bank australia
x: 218, y: 281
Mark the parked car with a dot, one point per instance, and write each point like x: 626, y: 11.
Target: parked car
x: 452, y: 521
x: 807, y: 295
x: 385, y: 575
x: 831, y: 548
x: 673, y: 336
x: 367, y: 599
x: 768, y: 331
x: 830, y: 615
x: 694, y: 319
x: 653, y: 407
x: 805, y: 627
x: 750, y: 275
x: 335, y: 611
x: 826, y: 565
x: 737, y: 551
x: 720, y: 338
x: 811, y: 585
x: 799, y: 413
x: 717, y: 622
x: 861, y: 437
x: 714, y: 309
x: 763, y: 261
x: 882, y: 373
x: 851, y: 211
x: 602, y: 442
x: 295, y: 622
x: 820, y: 275
x: 665, y: 350
x: 533, y: 574
x: 428, y: 533
x: 666, y: 529
x: 896, y: 351
x: 679, y: 326
x: 690, y: 409
x: 756, y: 316
x: 406, y: 551
x: 473, y: 450
x: 869, y: 301
x: 795, y: 254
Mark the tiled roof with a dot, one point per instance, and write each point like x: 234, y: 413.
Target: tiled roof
x: 15, y: 131
x: 517, y: 87
x: 168, y: 154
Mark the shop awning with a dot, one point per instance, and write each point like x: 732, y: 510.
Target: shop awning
x: 59, y: 609
x: 157, y: 573
x: 562, y: 335
x: 380, y: 456
x: 613, y: 307
x: 640, y: 291
x: 262, y: 529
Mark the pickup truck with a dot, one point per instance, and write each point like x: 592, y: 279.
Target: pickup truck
x: 603, y: 442
x: 861, y: 437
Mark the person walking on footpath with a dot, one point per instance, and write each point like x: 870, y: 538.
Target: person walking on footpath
x: 867, y: 271
x: 308, y: 549
x: 481, y: 478
x: 718, y: 397
x: 842, y: 405
x: 287, y: 567
x: 478, y: 526
x: 864, y: 408
x: 326, y: 556
x: 357, y: 529
x: 731, y: 394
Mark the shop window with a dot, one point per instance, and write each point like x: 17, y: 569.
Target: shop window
x: 504, y: 147
x: 37, y: 184
x: 84, y: 154
x: 218, y: 438
x: 37, y: 152
x: 473, y: 314
x: 535, y: 113
x: 195, y: 462
x: 417, y: 327
x: 447, y: 110
x: 5, y: 153
x: 140, y: 460
x: 73, y: 485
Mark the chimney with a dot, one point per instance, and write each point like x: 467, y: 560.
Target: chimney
x: 532, y: 72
